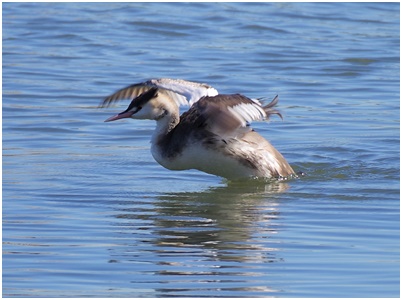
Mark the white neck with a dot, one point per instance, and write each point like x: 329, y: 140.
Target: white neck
x: 163, y: 127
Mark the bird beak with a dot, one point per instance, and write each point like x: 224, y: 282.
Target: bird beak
x: 122, y: 115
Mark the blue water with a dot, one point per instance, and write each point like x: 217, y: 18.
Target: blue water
x: 87, y: 212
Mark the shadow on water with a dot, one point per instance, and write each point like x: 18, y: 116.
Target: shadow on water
x: 222, y: 232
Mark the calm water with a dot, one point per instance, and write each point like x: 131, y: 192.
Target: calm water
x: 87, y: 211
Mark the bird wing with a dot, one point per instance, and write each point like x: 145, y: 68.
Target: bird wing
x: 231, y: 115
x: 182, y: 91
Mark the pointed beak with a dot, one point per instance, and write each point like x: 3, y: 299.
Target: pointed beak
x: 122, y: 115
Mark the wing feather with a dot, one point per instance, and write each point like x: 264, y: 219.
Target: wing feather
x: 226, y: 115
x: 182, y: 91
x: 231, y: 115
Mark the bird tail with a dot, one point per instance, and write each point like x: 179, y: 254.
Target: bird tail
x: 269, y: 108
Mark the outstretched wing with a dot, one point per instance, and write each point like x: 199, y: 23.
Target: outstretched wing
x: 231, y: 115
x: 182, y: 91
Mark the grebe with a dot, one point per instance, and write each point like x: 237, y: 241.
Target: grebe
x: 213, y: 136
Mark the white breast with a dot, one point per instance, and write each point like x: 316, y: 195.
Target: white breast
x: 215, y: 162
x: 205, y: 160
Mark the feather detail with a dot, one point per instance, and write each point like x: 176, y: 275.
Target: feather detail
x: 182, y: 91
x: 230, y: 115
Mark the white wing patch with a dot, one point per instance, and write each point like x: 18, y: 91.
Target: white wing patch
x: 247, y: 112
x: 182, y: 91
x: 179, y: 99
x: 192, y: 91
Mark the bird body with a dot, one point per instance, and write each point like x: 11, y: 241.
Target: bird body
x: 213, y: 136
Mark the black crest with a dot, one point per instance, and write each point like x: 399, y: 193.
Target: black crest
x: 142, y: 99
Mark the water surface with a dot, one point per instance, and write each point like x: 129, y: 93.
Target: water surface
x: 87, y: 212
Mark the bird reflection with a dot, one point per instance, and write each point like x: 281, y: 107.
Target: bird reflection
x: 229, y: 223
x: 221, y: 236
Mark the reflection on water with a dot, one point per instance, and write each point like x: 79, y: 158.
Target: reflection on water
x: 87, y: 212
x: 219, y: 228
x: 220, y: 218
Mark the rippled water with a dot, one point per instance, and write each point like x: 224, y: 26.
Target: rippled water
x: 87, y: 211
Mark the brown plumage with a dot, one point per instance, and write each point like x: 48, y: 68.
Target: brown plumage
x: 213, y: 136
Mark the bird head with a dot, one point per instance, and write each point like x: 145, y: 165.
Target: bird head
x: 145, y: 106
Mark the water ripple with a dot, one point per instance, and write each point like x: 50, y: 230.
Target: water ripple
x: 87, y: 212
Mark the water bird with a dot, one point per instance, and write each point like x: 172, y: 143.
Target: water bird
x: 213, y: 136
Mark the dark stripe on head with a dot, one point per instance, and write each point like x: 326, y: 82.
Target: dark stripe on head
x: 142, y: 99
